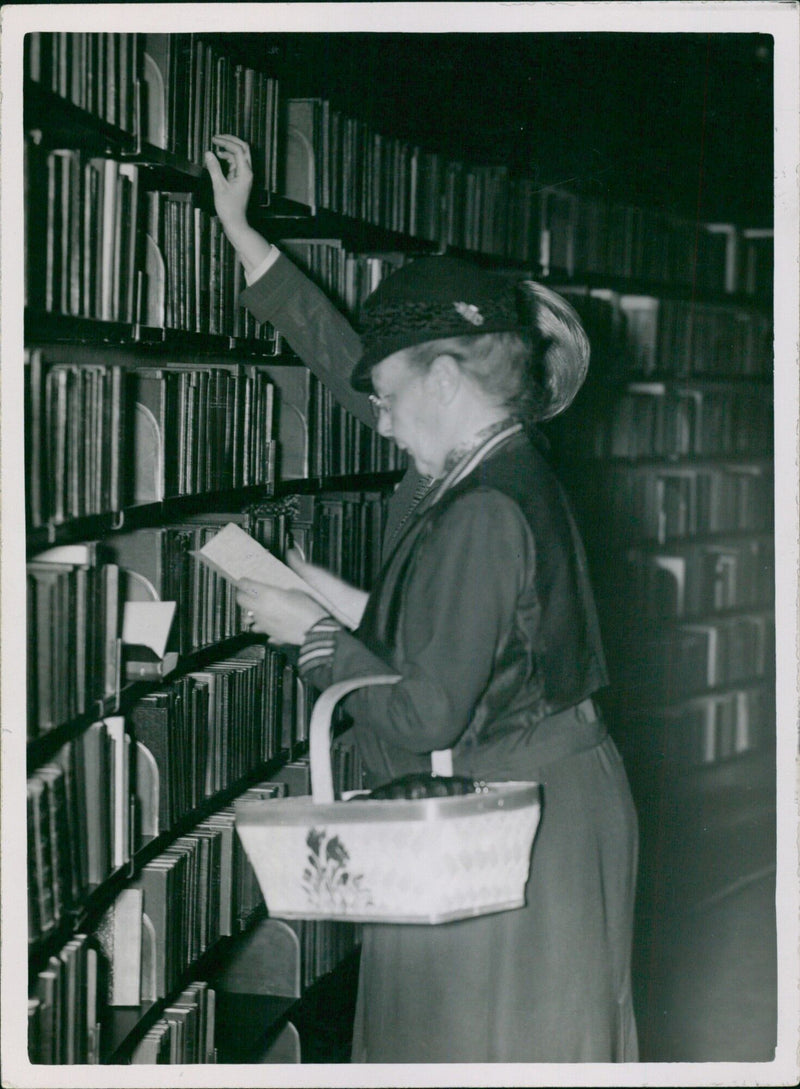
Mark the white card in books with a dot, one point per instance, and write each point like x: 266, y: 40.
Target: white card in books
x: 236, y: 555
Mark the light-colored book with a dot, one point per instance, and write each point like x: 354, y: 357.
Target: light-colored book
x: 235, y: 555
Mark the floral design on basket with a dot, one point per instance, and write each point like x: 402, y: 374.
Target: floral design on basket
x: 327, y: 880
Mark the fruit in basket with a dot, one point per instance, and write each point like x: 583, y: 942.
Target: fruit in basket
x: 422, y: 784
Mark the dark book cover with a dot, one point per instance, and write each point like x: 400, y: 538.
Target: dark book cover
x: 151, y: 720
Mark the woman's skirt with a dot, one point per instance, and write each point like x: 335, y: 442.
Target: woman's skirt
x: 549, y: 982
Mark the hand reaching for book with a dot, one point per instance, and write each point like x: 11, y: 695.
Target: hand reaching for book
x: 231, y: 196
x: 284, y: 615
x: 348, y: 601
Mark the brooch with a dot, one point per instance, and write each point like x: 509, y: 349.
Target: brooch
x: 470, y: 312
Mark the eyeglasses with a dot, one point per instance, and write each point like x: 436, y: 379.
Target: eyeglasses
x: 379, y: 405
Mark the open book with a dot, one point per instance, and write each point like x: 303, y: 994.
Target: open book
x: 235, y: 555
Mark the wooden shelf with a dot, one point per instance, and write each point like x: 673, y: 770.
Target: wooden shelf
x: 640, y: 463
x: 359, y: 482
x: 687, y: 292
x: 43, y: 327
x: 281, y: 220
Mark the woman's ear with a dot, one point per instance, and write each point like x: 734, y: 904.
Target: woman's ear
x: 444, y: 376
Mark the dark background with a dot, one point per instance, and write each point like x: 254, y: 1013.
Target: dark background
x: 677, y: 121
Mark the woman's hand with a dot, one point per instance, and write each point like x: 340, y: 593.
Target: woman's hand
x: 231, y: 195
x: 284, y: 615
x: 346, y: 602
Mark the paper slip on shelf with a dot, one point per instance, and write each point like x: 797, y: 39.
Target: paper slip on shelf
x: 430, y: 860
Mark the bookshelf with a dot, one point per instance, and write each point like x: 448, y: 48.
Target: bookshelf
x: 157, y: 410
x: 678, y: 459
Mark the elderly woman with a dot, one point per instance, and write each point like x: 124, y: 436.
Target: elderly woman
x: 484, y: 610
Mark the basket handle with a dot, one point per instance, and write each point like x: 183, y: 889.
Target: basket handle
x: 319, y: 742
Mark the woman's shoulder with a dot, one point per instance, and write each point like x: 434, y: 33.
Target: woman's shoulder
x: 481, y: 506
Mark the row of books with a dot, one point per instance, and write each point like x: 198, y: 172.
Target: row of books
x: 98, y: 246
x: 195, y: 91
x: 82, y: 237
x: 346, y: 277
x: 653, y: 419
x: 185, y: 1032
x: 323, y: 945
x: 185, y: 428
x: 317, y: 437
x: 65, y: 1005
x: 613, y: 239
x: 707, y: 729
x: 204, y: 731
x: 200, y: 889
x: 202, y: 427
x: 340, y: 163
x: 96, y: 72
x: 101, y: 436
x: 81, y: 813
x: 652, y: 504
x: 647, y: 335
x: 695, y: 657
x: 698, y: 580
x: 74, y: 628
x: 76, y: 438
x: 125, y: 779
x: 191, y: 274
x: 174, y: 91
x: 182, y: 892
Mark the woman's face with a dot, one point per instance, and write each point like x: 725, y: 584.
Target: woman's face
x: 409, y: 412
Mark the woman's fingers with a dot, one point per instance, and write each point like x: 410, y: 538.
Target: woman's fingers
x: 232, y: 146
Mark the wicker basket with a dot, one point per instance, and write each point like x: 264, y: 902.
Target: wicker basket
x: 426, y: 861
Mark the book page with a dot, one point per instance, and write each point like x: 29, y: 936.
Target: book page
x: 235, y: 555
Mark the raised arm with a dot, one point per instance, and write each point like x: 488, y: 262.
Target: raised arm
x: 280, y: 293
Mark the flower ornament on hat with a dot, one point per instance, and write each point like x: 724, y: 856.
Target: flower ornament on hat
x: 436, y: 298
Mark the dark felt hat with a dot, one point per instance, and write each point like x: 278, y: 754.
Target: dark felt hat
x: 433, y: 298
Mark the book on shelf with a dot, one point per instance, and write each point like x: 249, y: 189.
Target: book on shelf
x: 194, y: 90
x: 704, y: 730
x: 119, y: 935
x: 68, y: 992
x: 120, y: 789
x: 727, y: 236
x: 89, y: 249
x: 75, y: 445
x: 299, y: 159
x: 202, y: 427
x: 758, y: 261
x: 202, y: 732
x: 95, y: 72
x: 185, y: 1032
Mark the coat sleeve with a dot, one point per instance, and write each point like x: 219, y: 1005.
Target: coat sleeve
x: 326, y: 342
x: 460, y: 603
x: 316, y: 331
